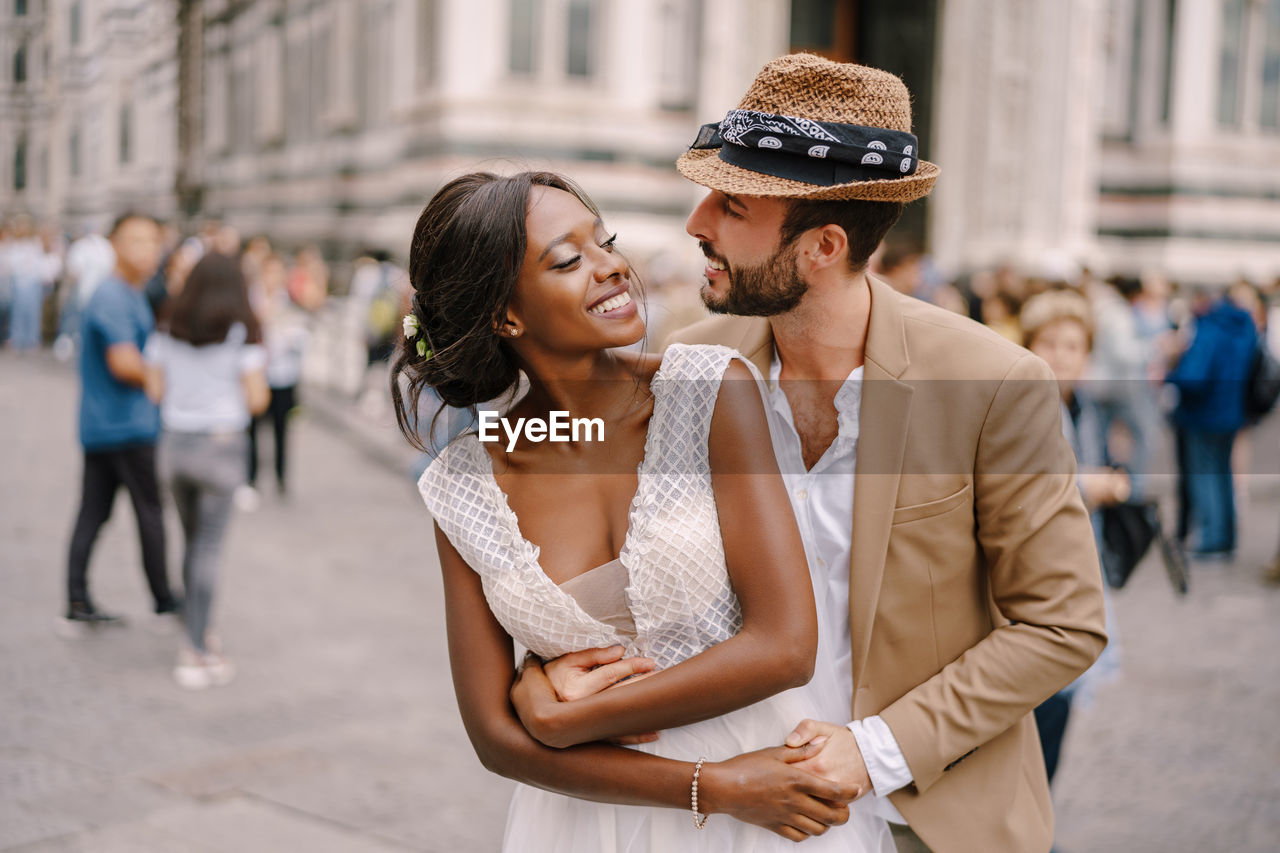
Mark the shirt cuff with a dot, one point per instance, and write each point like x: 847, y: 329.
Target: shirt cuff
x: 886, y: 765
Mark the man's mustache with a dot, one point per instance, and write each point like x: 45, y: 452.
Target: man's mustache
x: 710, y: 253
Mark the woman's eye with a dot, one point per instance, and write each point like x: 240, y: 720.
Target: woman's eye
x: 568, y: 264
x: 609, y: 245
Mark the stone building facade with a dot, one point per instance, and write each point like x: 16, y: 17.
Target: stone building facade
x: 335, y: 121
x: 1189, y: 167
x: 89, y: 91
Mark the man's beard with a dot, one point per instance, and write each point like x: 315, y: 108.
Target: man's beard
x: 768, y: 288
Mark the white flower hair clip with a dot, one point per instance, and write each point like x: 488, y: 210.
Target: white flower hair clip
x: 411, y: 328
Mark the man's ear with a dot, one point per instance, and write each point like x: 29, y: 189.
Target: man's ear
x: 822, y: 248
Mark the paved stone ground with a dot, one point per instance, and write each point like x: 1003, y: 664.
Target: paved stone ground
x: 341, y: 733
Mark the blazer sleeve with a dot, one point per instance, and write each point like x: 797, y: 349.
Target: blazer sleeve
x: 1036, y: 545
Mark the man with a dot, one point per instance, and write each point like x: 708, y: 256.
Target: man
x: 957, y: 569
x: 1211, y: 377
x: 118, y: 424
x: 956, y: 572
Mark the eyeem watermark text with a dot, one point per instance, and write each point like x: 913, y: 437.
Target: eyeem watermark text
x: 560, y: 427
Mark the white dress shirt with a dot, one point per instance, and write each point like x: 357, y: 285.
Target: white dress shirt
x: 822, y: 498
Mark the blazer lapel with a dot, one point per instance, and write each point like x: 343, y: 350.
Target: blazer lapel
x: 882, y: 441
x: 757, y: 344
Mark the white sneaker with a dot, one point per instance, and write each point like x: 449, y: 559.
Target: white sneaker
x: 195, y: 671
x: 221, y: 670
x: 191, y: 672
x: 246, y: 499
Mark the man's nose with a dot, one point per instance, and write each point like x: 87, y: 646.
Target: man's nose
x: 699, y: 222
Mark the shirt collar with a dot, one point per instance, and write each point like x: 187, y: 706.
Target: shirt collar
x: 851, y: 391
x: 848, y: 399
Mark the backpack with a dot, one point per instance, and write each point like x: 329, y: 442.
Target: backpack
x: 1263, y: 388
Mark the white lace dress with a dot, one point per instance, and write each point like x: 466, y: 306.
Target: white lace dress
x: 682, y: 601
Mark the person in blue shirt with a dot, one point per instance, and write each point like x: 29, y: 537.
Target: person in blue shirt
x: 119, y: 425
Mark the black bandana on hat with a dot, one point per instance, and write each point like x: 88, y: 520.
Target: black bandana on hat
x: 812, y: 152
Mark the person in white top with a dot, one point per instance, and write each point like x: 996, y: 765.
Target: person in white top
x: 90, y: 259
x: 650, y: 536
x: 285, y: 332
x: 33, y: 265
x: 207, y: 372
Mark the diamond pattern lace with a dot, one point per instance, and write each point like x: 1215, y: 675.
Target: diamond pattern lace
x: 680, y: 593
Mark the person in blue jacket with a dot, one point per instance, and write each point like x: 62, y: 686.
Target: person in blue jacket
x: 1211, y: 378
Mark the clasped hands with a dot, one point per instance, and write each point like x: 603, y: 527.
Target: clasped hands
x: 798, y: 789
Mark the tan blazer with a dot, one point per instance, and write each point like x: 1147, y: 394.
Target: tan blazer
x: 974, y: 592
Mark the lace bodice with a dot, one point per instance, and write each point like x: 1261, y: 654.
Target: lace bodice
x: 679, y: 593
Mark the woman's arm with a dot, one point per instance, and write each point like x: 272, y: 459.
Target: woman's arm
x: 256, y: 391
x: 774, y: 650
x: 762, y: 787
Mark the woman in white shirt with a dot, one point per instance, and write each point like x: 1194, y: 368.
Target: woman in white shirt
x: 207, y: 372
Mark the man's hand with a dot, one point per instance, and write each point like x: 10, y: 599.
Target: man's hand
x: 535, y: 700
x: 125, y: 364
x: 581, y: 674
x: 768, y: 788
x: 538, y: 703
x: 838, y: 757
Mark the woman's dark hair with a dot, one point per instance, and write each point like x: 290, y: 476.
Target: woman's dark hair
x: 213, y: 299
x: 467, y: 251
x: 864, y: 222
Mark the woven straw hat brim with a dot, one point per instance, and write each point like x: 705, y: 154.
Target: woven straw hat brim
x: 704, y: 166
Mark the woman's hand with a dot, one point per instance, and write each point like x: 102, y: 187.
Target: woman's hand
x: 541, y: 707
x: 585, y: 673
x: 766, y: 788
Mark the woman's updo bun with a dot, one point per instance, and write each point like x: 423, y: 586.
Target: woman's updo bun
x: 467, y: 251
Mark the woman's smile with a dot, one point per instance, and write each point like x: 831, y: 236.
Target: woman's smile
x: 615, y: 304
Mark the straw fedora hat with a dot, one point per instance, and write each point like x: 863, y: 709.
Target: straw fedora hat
x: 816, y: 129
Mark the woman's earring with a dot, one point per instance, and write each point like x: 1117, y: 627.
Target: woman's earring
x: 513, y: 333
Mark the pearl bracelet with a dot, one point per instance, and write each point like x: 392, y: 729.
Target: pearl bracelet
x: 699, y: 819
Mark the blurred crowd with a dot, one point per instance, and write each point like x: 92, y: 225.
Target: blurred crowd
x: 1145, y: 366
x: 184, y: 345
x: 1151, y: 362
x: 1138, y: 361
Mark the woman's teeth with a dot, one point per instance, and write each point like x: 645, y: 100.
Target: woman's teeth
x: 716, y: 265
x: 609, y: 304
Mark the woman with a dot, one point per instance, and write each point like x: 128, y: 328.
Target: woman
x: 697, y: 567
x: 1056, y: 326
x: 285, y: 334
x: 208, y: 375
